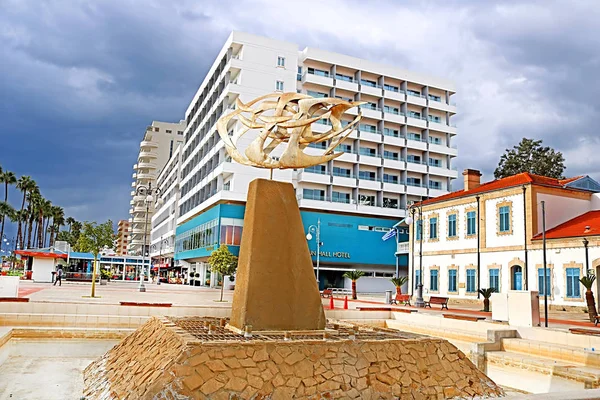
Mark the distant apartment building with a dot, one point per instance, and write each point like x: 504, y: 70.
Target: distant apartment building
x: 402, y: 151
x: 123, y: 234
x: 160, y: 141
x: 489, y: 235
x: 164, y: 220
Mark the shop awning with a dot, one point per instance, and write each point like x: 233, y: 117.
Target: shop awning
x: 41, y: 253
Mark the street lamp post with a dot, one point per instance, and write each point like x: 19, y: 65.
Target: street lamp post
x: 146, y: 191
x: 409, y: 220
x: 544, y: 261
x: 165, y: 241
x: 317, y: 231
x: 587, y: 256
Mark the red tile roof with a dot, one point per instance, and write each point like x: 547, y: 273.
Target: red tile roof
x: 575, y: 227
x: 504, y: 183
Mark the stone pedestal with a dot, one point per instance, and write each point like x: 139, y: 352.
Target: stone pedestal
x: 276, y: 288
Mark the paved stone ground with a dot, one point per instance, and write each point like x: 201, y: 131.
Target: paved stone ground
x: 115, y: 292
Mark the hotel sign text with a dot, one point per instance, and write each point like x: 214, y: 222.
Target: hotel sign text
x: 334, y: 254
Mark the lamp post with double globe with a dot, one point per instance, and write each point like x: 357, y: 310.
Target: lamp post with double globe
x: 146, y: 191
x: 316, y: 229
x: 409, y: 221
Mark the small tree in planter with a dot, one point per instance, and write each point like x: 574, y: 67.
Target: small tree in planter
x: 354, y: 276
x: 223, y: 262
x: 486, y: 293
x: 398, y: 282
x: 92, y: 239
x: 588, y: 282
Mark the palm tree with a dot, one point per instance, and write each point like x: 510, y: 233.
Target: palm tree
x: 70, y: 221
x: 58, y: 219
x: 354, y: 276
x: 34, y: 199
x: 588, y: 282
x: 43, y: 212
x: 8, y: 178
x: 5, y: 211
x: 486, y: 293
x: 398, y: 282
x: 25, y: 184
x: 20, y: 218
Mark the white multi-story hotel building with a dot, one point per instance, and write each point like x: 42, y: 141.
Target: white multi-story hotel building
x: 158, y: 145
x: 401, y: 152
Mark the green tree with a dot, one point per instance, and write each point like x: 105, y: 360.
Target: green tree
x: 223, y: 262
x: 354, y: 276
x: 93, y: 238
x: 588, y: 282
x: 486, y: 293
x: 530, y: 156
x: 70, y: 221
x: 398, y: 282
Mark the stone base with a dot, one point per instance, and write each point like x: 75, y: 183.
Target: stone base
x: 178, y: 358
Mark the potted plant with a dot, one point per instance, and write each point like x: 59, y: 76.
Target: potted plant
x: 588, y: 282
x: 486, y: 293
x: 354, y: 276
x: 197, y: 280
x: 398, y: 282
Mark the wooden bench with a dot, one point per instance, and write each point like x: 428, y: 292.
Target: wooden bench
x: 327, y: 293
x: 582, y: 331
x: 472, y: 318
x: 443, y: 301
x: 14, y: 299
x: 404, y: 298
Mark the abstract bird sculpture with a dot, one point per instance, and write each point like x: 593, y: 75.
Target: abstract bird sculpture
x: 286, y: 118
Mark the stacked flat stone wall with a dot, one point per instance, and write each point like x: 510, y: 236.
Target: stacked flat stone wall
x: 161, y: 361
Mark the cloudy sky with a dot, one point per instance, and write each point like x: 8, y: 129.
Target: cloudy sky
x: 80, y: 80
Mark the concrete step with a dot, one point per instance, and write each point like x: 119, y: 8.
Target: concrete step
x: 71, y: 320
x: 553, y: 351
x: 538, y: 374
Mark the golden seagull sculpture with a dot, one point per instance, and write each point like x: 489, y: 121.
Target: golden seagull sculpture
x: 286, y: 118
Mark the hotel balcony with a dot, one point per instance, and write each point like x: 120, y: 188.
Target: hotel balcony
x: 348, y: 157
x: 443, y: 171
x: 416, y: 190
x: 436, y: 192
x: 149, y: 154
x: 370, y: 112
x: 402, y: 248
x: 370, y: 136
x: 134, y: 175
x: 145, y: 175
x: 148, y: 143
x: 394, y: 140
x: 443, y: 149
x: 372, y: 90
x: 146, y: 165
x: 414, y: 98
x: 394, y: 164
x: 374, y: 160
x: 390, y: 94
x: 139, y: 209
x: 313, y: 177
x: 343, y: 84
x: 346, y: 181
x: 416, y: 143
x: 393, y: 187
x: 420, y: 122
x: 397, y: 117
x: 368, y: 184
x: 416, y: 166
x: 317, y: 79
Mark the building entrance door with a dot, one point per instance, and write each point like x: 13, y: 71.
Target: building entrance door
x: 517, y: 278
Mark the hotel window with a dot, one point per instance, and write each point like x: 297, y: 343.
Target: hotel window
x: 452, y: 280
x: 433, y: 228
x: 495, y: 279
x: 504, y: 218
x: 279, y: 85
x: 180, y: 132
x: 452, y: 225
x: 320, y: 145
x: 548, y: 281
x: 169, y: 131
x: 313, y: 194
x: 411, y: 158
x: 367, y: 151
x: 387, y: 178
x: 573, y: 283
x: 434, y: 162
x: 156, y: 129
x: 414, y: 114
x: 344, y: 172
x: 391, y: 110
x: 417, y: 278
x: 414, y: 136
x: 231, y: 231
x: 346, y: 148
x: 433, y: 280
x: 471, y: 284
x: 413, y: 93
x: 343, y: 77
x: 316, y: 169
x: 316, y: 94
x: 390, y: 155
x: 299, y: 74
x: 367, y: 82
x: 435, y: 98
x: 319, y: 72
x: 367, y: 200
x: 281, y: 61
x: 368, y: 175
x: 390, y: 203
x: 391, y: 132
x: 434, y: 118
x: 367, y: 128
x: 413, y: 182
x: 390, y: 88
x: 435, y: 185
x: 471, y: 223
x: 338, y: 197
x: 419, y: 228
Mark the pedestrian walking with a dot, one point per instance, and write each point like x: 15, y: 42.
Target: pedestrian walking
x: 59, y: 275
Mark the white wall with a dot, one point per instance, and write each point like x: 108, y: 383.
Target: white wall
x: 517, y: 236
x: 560, y: 209
x: 42, y: 269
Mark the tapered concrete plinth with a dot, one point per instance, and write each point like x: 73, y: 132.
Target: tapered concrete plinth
x: 275, y: 288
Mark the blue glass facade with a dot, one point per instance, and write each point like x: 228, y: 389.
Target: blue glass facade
x: 347, y: 239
